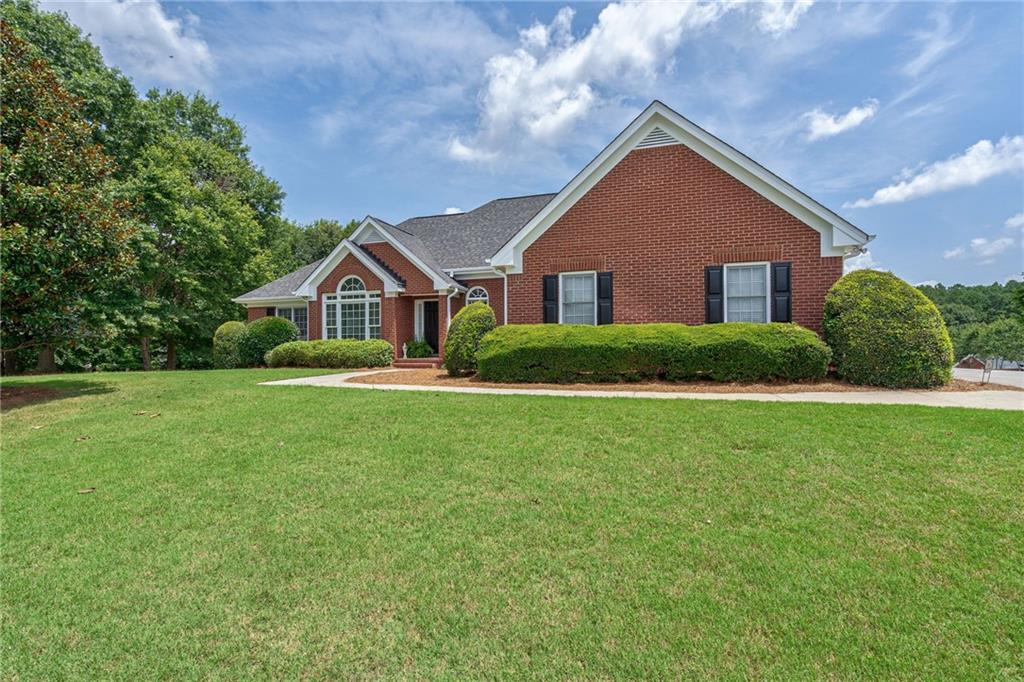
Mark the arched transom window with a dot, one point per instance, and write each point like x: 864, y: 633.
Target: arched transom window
x: 476, y: 294
x: 353, y: 312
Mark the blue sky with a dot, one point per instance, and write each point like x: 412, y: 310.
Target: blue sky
x: 908, y: 119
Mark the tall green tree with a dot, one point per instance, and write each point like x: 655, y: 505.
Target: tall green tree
x: 320, y: 237
x: 65, y: 224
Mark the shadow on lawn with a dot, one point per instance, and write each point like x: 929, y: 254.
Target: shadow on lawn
x: 22, y: 395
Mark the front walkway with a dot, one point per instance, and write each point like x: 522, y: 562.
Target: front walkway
x: 992, y: 400
x: 1003, y: 377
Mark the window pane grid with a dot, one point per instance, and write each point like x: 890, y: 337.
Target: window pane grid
x: 353, y: 320
x: 746, y: 289
x: 476, y: 294
x: 578, y: 299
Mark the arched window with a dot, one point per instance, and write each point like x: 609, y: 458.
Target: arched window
x: 476, y: 294
x: 353, y: 312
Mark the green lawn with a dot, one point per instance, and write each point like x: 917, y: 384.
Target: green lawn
x: 286, y: 532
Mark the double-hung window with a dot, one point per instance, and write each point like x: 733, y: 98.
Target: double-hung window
x: 353, y: 312
x: 578, y: 303
x: 746, y: 293
x: 297, y: 316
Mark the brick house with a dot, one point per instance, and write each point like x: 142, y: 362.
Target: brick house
x: 667, y: 224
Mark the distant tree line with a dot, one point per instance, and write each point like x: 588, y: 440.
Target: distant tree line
x: 985, y: 320
x: 127, y: 222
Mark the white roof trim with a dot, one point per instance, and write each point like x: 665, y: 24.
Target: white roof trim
x: 839, y: 237
x: 345, y: 247
x: 370, y: 230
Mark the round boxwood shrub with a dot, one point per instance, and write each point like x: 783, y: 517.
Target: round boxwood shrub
x: 736, y: 351
x: 263, y: 335
x: 467, y: 328
x: 225, y: 344
x: 340, y: 353
x: 884, y: 332
x: 419, y: 349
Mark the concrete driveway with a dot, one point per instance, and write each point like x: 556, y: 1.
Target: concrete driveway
x: 999, y: 376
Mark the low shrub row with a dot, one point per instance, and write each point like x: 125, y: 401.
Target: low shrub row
x: 339, y: 353
x: 674, y: 352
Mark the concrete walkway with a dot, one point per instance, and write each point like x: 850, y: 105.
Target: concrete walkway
x: 991, y: 400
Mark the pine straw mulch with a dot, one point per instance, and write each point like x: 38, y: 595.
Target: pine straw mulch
x: 435, y: 377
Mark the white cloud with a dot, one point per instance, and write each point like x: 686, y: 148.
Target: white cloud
x: 1015, y: 222
x: 981, y: 161
x: 552, y: 81
x: 141, y: 39
x: 981, y: 249
x: 933, y: 43
x: 864, y: 261
x: 779, y: 17
x: 452, y: 210
x: 820, y: 124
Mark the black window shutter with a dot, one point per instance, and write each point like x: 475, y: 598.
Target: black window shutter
x: 271, y: 311
x: 782, y: 292
x: 604, y: 298
x: 713, y: 299
x: 550, y: 298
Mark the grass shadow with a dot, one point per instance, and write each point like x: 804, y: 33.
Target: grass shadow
x: 20, y: 395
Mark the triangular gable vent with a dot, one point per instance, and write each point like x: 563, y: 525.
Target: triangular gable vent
x: 656, y: 138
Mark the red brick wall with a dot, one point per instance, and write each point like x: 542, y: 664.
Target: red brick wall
x: 256, y: 313
x: 416, y: 282
x: 656, y: 220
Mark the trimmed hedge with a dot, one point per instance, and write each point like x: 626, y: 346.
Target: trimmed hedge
x: 885, y: 332
x: 735, y: 351
x: 261, y: 336
x: 467, y: 328
x: 225, y: 344
x: 345, y: 353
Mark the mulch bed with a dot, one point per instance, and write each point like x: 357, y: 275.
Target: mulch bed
x: 433, y: 377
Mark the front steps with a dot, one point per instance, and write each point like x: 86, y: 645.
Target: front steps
x: 417, y: 363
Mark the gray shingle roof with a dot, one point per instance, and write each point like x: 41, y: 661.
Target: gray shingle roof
x: 465, y: 240
x: 442, y: 242
x: 283, y: 286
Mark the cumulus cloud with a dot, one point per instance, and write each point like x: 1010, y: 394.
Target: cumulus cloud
x: 980, y: 249
x: 1015, y: 222
x: 981, y: 161
x: 821, y: 124
x: 141, y: 39
x: 452, y: 210
x: 552, y: 81
x: 864, y: 261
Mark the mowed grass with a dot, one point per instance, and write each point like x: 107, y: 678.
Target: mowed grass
x: 297, y: 532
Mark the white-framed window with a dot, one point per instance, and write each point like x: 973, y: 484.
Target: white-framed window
x: 298, y: 316
x: 746, y: 292
x: 353, y: 312
x: 577, y: 292
x: 477, y: 294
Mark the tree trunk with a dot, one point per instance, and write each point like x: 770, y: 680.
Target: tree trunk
x: 172, y: 355
x: 46, y: 364
x: 146, y: 359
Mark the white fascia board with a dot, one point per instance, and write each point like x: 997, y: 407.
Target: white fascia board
x: 838, y: 236
x: 344, y: 248
x: 370, y: 227
x: 474, y: 273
